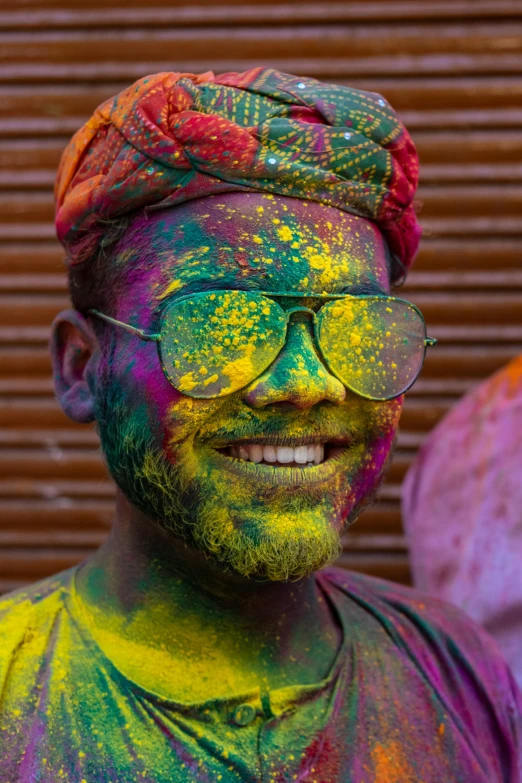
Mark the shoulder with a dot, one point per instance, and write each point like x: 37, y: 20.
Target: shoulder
x: 411, y: 614
x: 442, y: 642
x: 30, y: 609
x: 402, y: 601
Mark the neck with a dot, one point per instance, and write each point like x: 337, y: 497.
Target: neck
x: 150, y: 587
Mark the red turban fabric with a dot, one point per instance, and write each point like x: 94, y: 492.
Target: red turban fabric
x: 172, y: 137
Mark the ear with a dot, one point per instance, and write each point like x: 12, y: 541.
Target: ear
x: 75, y: 353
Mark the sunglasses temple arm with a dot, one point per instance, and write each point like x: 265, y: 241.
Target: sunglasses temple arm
x: 128, y: 328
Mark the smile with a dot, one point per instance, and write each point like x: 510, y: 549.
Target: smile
x: 291, y: 465
x: 305, y: 455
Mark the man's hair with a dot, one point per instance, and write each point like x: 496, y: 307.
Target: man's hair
x: 96, y: 283
x: 93, y: 281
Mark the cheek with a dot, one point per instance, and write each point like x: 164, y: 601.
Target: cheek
x: 172, y: 417
x: 387, y: 417
x: 383, y: 421
x: 147, y: 390
x: 146, y: 382
x: 384, y: 429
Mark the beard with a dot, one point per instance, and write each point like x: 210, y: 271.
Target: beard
x: 285, y: 534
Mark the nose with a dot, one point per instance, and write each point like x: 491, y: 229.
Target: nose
x: 297, y: 376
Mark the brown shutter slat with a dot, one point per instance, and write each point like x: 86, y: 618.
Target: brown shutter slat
x: 328, y: 50
x: 128, y: 14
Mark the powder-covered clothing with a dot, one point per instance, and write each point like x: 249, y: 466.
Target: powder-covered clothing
x: 416, y: 694
x: 462, y: 507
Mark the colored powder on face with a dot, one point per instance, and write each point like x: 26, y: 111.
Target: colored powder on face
x: 163, y: 459
x: 261, y: 529
x: 323, y: 253
x: 170, y: 289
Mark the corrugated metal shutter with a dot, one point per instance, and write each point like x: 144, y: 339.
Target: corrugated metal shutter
x: 453, y: 70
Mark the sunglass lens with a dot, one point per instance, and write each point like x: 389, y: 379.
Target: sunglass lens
x: 215, y: 343
x: 374, y: 345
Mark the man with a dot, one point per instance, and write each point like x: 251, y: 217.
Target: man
x: 462, y: 502
x: 231, y: 242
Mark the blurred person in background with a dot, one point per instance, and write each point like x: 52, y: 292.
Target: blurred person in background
x: 231, y: 242
x: 462, y: 508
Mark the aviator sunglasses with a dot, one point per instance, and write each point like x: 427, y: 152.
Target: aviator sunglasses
x: 213, y: 343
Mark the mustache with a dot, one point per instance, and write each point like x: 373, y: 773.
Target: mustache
x: 324, y: 423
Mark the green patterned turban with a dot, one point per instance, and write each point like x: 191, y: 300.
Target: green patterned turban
x: 172, y: 137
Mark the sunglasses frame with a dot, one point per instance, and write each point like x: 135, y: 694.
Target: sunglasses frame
x: 157, y: 337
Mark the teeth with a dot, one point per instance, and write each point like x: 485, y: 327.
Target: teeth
x: 285, y: 454
x: 269, y: 454
x: 311, y: 454
x: 256, y: 453
x: 301, y: 454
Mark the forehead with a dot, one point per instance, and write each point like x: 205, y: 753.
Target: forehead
x: 257, y: 241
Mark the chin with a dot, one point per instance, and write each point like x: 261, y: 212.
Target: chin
x: 275, y: 532
x: 262, y: 522
x: 285, y: 541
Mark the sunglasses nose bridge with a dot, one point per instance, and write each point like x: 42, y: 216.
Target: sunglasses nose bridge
x: 298, y: 375
x: 300, y: 314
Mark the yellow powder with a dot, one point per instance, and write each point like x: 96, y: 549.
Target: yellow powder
x: 174, y: 286
x: 284, y: 234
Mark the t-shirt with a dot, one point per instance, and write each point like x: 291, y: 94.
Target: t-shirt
x: 416, y: 694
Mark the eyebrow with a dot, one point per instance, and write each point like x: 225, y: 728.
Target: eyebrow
x: 367, y: 288
x: 198, y: 287
x: 361, y: 289
x: 194, y: 287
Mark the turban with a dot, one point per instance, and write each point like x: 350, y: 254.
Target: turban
x: 172, y: 137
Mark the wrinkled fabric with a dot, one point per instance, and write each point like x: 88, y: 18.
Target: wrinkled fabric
x: 172, y: 137
x: 462, y: 504
x: 416, y: 693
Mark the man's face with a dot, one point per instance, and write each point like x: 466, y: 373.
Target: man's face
x: 193, y: 465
